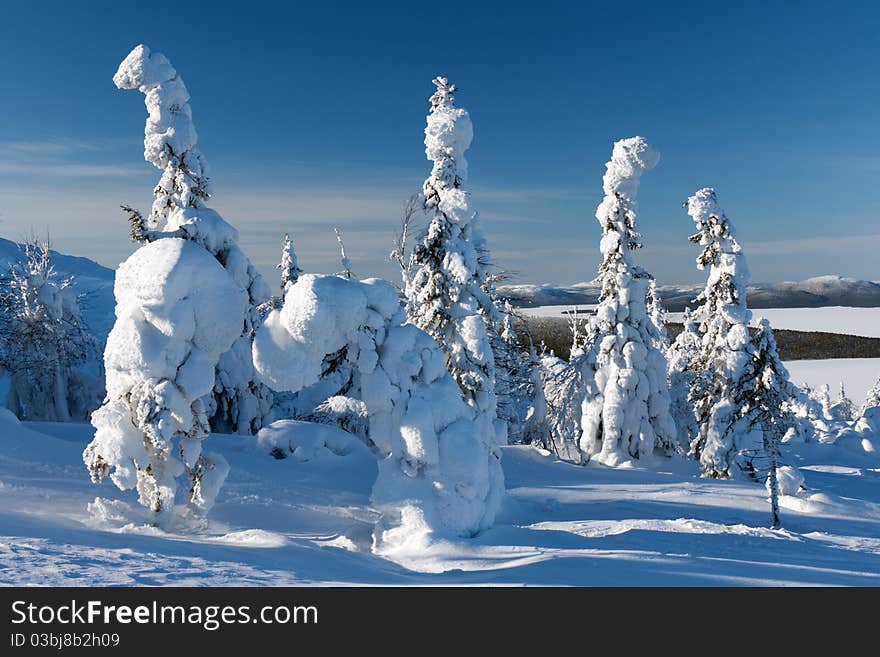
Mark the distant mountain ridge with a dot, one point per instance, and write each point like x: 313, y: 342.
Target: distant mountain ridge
x: 91, y: 280
x: 810, y: 293
x: 95, y: 283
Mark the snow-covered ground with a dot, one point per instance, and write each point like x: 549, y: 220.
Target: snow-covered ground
x: 283, y: 522
x: 830, y: 319
x: 857, y: 374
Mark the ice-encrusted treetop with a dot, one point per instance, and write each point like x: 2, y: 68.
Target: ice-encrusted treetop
x: 170, y: 136
x: 728, y: 271
x: 630, y: 158
x: 448, y: 135
x: 169, y: 129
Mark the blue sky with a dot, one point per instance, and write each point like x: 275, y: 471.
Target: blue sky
x: 312, y: 116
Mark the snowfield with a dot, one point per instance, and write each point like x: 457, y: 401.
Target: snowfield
x: 307, y: 519
x: 830, y: 319
x: 858, y: 374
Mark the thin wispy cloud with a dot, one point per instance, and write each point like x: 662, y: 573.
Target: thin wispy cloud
x: 55, y: 146
x: 62, y: 157
x: 70, y: 170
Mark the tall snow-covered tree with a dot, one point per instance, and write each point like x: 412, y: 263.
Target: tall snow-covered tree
x: 625, y: 412
x: 183, y: 299
x: 238, y: 402
x: 726, y: 350
x: 289, y: 266
x: 723, y: 389
x: 45, y: 347
x: 445, y: 279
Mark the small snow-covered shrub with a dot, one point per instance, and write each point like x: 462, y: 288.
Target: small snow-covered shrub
x: 439, y: 469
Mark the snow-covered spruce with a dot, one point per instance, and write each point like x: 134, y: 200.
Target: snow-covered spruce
x: 182, y: 301
x: 50, y: 361
x: 657, y: 313
x: 439, y: 470
x: 563, y: 397
x: 868, y: 424
x: 625, y: 411
x: 843, y: 409
x: 445, y: 279
x: 872, y: 398
x: 289, y: 266
x: 723, y: 319
x: 722, y: 392
x: 518, y: 387
x: 683, y: 358
x: 239, y: 402
x: 765, y: 404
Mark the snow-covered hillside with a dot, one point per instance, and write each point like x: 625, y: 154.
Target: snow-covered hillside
x: 307, y: 520
x: 91, y: 280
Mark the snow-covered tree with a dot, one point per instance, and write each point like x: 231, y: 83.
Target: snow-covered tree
x: 765, y: 403
x: 723, y: 319
x: 843, y: 409
x: 439, y: 469
x: 345, y: 272
x: 657, y: 313
x: 626, y: 408
x: 683, y: 355
x: 239, y: 402
x: 184, y: 300
x: 872, y: 399
x: 563, y: 393
x: 445, y: 279
x: 289, y: 266
x: 46, y: 349
x: 868, y: 424
x: 730, y: 364
x: 518, y: 387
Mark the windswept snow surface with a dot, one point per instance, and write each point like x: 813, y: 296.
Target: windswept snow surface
x: 307, y: 520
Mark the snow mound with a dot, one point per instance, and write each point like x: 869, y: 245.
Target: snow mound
x: 790, y: 480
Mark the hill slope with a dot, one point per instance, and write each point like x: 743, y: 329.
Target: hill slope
x: 91, y: 280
